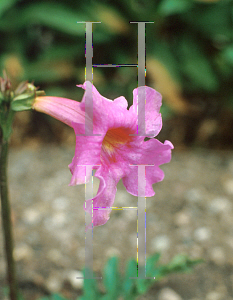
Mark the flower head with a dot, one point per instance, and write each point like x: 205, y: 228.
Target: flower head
x: 114, y: 149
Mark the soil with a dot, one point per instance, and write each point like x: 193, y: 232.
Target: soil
x: 192, y: 213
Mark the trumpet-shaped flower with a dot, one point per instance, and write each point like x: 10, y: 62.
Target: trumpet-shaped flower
x: 114, y: 149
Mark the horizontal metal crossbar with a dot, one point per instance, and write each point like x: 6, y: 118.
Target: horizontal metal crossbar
x: 114, y: 65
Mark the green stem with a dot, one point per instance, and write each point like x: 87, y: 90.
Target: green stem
x: 6, y: 221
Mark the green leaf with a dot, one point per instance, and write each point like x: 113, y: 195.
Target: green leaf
x: 143, y: 285
x: 54, y: 297
x: 152, y: 261
x: 164, y: 53
x: 151, y: 265
x: 180, y: 263
x: 170, y: 7
x: 166, y: 111
x: 211, y: 19
x: 63, y: 52
x: 128, y: 285
x: 56, y: 16
x: 6, y: 291
x: 6, y: 4
x: 196, y: 66
x: 57, y: 297
x: 90, y: 289
x: 228, y: 54
x: 36, y: 71
x: 112, y: 281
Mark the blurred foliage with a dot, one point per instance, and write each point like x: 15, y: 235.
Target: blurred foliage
x: 128, y: 286
x: 189, y: 50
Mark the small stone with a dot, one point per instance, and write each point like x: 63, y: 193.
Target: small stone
x: 218, y: 256
x: 22, y: 252
x: 193, y: 195
x: 76, y: 283
x: 222, y: 289
x: 220, y: 205
x: 228, y: 185
x: 60, y: 203
x: 112, y: 251
x: 182, y: 218
x: 168, y: 294
x: 58, y: 220
x: 31, y: 216
x: 54, y: 283
x: 55, y: 256
x: 214, y: 296
x: 202, y: 234
x: 229, y: 241
x: 161, y: 243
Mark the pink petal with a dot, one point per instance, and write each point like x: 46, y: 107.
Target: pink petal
x: 153, y: 153
x: 105, y: 196
x: 87, y: 152
x: 153, y: 119
x: 66, y: 110
x: 121, y: 101
x: 105, y: 112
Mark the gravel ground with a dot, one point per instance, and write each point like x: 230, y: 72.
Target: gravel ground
x: 192, y: 212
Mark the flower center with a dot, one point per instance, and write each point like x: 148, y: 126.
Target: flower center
x: 114, y: 139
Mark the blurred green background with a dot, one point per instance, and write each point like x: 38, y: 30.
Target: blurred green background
x: 189, y: 50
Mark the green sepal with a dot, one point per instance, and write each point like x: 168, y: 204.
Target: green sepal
x: 23, y: 102
x: 40, y: 93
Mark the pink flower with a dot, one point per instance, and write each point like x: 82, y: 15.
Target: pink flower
x: 112, y: 149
